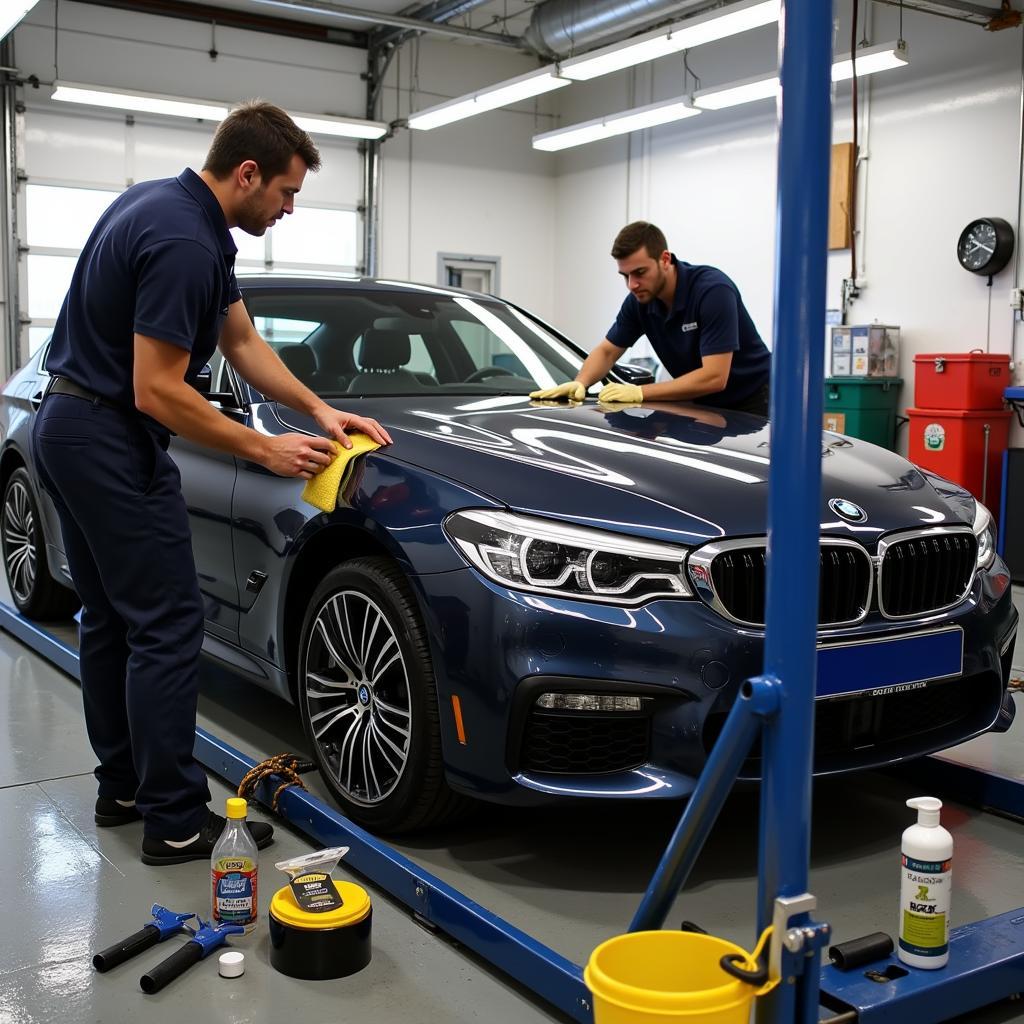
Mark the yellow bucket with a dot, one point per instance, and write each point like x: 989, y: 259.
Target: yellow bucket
x: 663, y: 977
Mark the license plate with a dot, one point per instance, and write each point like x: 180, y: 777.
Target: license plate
x: 880, y: 667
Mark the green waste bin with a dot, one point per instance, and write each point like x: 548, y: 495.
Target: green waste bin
x: 863, y: 407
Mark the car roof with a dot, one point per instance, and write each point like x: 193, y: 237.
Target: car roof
x: 338, y: 282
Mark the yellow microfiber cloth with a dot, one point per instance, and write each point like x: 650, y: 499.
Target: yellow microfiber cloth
x: 321, y: 491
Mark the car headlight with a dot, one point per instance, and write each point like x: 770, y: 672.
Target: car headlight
x: 986, y: 534
x: 549, y: 557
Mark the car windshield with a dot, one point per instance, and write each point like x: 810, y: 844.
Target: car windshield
x: 353, y: 342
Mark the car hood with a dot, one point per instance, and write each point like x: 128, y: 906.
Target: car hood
x: 675, y: 472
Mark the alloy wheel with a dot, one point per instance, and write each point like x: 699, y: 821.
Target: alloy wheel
x: 18, y: 543
x: 357, y: 695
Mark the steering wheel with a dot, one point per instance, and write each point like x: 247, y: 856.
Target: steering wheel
x: 487, y: 371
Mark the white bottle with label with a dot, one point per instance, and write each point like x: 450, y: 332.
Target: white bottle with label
x: 234, y: 867
x: 927, y: 858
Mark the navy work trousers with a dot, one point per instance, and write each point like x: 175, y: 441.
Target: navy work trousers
x: 129, y: 548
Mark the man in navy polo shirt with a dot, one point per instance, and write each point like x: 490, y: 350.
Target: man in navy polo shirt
x: 152, y: 295
x: 696, y: 322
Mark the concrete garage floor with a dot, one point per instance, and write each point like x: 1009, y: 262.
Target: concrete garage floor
x: 570, y: 877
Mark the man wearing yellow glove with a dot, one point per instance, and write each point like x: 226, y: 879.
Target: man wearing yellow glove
x: 696, y: 322
x: 573, y: 390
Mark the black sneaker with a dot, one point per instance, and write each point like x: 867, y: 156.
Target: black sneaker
x: 110, y: 813
x: 160, y: 851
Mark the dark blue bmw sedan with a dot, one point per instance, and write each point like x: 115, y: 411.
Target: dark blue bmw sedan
x: 523, y: 601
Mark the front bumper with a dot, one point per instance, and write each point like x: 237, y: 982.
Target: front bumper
x: 497, y: 650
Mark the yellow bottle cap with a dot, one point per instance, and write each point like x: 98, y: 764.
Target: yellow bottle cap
x: 236, y: 807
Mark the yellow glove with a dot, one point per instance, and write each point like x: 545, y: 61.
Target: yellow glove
x: 574, y: 391
x: 621, y: 393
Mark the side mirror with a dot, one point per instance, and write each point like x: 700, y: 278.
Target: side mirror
x: 630, y: 373
x: 203, y: 381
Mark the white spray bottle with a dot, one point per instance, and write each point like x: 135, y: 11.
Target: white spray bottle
x: 927, y: 855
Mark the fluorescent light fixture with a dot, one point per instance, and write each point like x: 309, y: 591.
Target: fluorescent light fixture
x: 12, y: 12
x: 683, y: 35
x: 872, y: 59
x: 345, y: 127
x: 869, y: 61
x: 207, y: 110
x: 615, y: 124
x: 535, y: 83
x: 761, y: 88
x: 148, y: 103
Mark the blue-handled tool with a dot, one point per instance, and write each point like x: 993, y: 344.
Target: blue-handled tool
x: 165, y: 924
x: 202, y: 944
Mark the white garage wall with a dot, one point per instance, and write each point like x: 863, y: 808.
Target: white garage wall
x: 475, y: 187
x: 943, y: 141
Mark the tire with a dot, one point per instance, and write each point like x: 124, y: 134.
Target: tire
x: 36, y: 593
x: 368, y: 700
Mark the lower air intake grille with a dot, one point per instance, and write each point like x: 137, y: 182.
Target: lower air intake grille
x: 868, y: 729
x: 578, y: 743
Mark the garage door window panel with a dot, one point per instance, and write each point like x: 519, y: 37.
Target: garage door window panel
x: 63, y: 218
x: 316, y: 237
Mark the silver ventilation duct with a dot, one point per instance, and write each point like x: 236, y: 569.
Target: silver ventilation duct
x: 559, y: 28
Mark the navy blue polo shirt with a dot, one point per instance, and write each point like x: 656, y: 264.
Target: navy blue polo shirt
x: 159, y: 262
x: 707, y: 318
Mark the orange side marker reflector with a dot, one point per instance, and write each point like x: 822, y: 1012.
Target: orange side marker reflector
x: 460, y: 729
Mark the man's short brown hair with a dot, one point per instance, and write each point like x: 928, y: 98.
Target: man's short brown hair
x: 259, y: 131
x: 641, y: 234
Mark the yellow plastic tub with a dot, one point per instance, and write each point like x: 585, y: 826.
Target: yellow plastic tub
x: 663, y: 977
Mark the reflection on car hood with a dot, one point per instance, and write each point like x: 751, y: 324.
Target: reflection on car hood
x: 675, y: 472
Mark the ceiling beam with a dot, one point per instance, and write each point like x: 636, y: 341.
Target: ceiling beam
x: 438, y: 11
x: 957, y: 10
x: 229, y: 17
x: 343, y: 11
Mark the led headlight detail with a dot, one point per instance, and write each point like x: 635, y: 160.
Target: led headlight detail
x: 591, y: 702
x: 986, y: 534
x: 548, y: 557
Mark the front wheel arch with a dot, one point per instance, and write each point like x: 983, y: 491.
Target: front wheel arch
x: 375, y: 733
x: 322, y: 548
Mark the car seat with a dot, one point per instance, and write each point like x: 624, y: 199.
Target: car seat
x: 301, y: 360
x: 382, y: 358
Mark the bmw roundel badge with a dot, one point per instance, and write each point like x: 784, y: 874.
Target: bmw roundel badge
x: 847, y: 510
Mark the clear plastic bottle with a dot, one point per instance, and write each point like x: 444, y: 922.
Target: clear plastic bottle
x: 234, y: 867
x: 927, y: 859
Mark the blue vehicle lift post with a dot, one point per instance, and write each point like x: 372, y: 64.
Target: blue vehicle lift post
x: 782, y: 699
x: 987, y: 961
x: 794, y: 509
